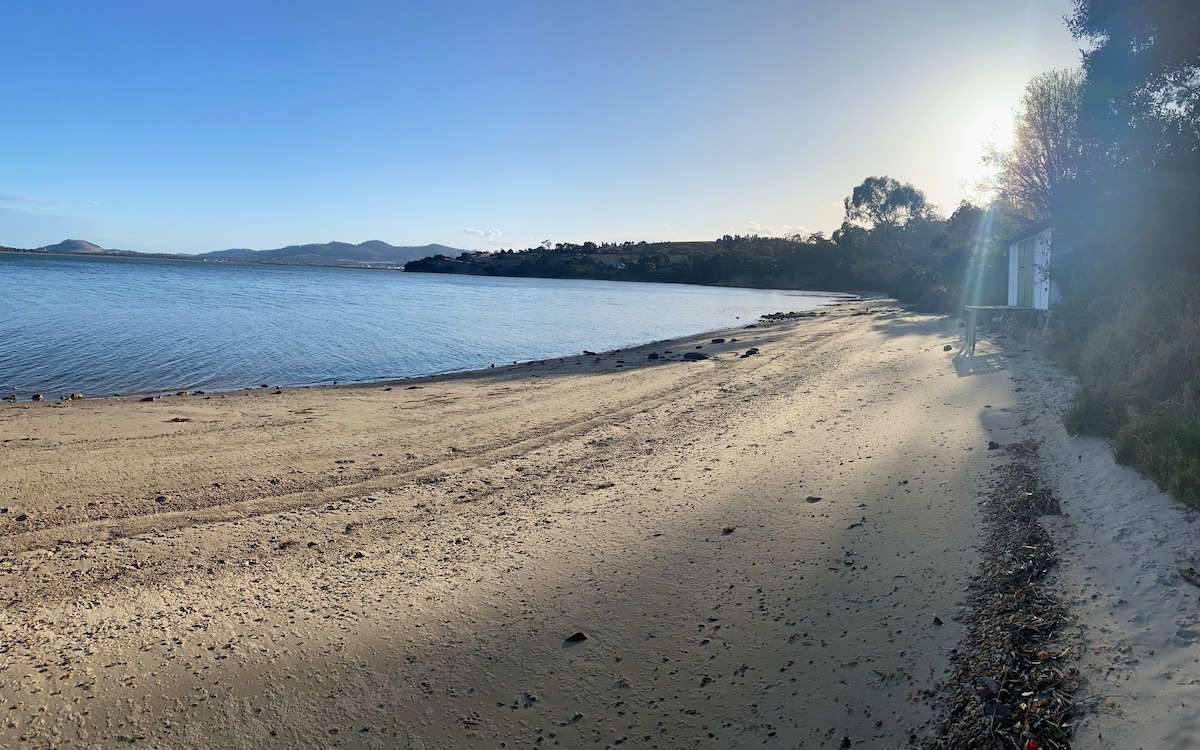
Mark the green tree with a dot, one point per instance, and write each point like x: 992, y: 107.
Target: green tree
x: 1142, y: 90
x: 892, y: 211
x: 1131, y: 209
x: 885, y: 201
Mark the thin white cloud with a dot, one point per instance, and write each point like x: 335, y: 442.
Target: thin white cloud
x: 15, y: 198
x: 490, y: 234
x: 786, y: 230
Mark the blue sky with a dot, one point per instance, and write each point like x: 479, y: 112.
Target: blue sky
x: 187, y: 127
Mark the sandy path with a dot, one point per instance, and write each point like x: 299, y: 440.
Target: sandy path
x: 400, y: 567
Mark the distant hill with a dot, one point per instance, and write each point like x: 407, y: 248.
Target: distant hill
x: 371, y: 252
x: 78, y: 247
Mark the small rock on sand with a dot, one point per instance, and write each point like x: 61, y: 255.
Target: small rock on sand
x: 813, y: 499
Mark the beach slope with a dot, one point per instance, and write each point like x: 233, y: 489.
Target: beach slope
x: 607, y: 550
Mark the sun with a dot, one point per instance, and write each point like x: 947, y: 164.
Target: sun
x: 990, y: 127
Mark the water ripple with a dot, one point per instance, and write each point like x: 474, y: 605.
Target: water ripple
x: 125, y: 326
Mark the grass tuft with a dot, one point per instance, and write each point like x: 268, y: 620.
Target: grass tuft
x: 1139, y: 384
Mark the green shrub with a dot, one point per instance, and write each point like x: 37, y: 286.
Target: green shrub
x: 1139, y: 384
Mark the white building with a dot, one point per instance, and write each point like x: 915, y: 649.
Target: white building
x: 1029, y: 283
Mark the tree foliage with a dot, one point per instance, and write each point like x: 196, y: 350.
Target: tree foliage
x: 1133, y: 207
x: 885, y: 201
x: 1045, y: 155
x: 1142, y: 91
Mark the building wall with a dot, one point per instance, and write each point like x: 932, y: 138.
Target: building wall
x: 1043, y: 291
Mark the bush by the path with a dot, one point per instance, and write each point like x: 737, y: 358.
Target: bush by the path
x: 1139, y: 384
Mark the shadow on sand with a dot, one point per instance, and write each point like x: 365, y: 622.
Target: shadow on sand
x: 985, y: 364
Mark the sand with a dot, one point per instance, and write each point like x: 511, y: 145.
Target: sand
x: 753, y: 548
x: 1128, y: 551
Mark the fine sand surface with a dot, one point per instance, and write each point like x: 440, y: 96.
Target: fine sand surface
x: 1128, y: 552
x: 755, y: 547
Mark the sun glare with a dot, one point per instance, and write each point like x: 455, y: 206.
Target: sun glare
x: 983, y: 129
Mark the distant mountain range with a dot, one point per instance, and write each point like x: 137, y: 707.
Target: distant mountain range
x: 372, y: 253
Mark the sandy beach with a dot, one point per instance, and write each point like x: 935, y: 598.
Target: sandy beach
x: 604, y: 551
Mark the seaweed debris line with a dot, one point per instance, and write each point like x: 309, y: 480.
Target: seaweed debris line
x: 1013, y: 684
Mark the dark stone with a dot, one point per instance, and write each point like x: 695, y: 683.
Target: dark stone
x: 577, y: 637
x: 718, y: 341
x: 947, y: 348
x: 813, y: 499
x: 993, y: 445
x: 160, y: 499
x: 359, y: 555
x: 728, y: 530
x: 694, y: 356
x: 586, y: 353
x: 653, y: 355
x: 150, y: 398
x: 22, y: 517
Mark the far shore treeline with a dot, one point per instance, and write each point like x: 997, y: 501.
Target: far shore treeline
x: 896, y: 244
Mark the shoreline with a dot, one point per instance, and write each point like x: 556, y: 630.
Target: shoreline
x: 629, y: 360
x: 771, y: 549
x: 39, y: 365
x: 642, y: 348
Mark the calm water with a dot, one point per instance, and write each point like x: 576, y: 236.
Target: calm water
x: 108, y: 326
